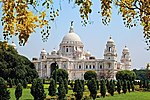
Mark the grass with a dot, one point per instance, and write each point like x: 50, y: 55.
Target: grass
x: 129, y: 96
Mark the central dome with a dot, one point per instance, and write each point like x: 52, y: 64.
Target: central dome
x: 71, y: 36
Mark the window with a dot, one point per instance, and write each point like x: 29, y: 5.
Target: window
x: 109, y: 65
x: 93, y: 66
x: 42, y: 57
x: 45, y: 66
x: 100, y: 66
x: 90, y: 66
x: 79, y: 66
x: 66, y: 49
x: 86, y: 66
x: 64, y: 65
x: 109, y: 49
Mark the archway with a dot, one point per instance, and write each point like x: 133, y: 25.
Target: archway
x: 53, y: 67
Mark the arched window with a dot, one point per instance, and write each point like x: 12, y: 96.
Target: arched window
x: 66, y: 49
x: 42, y: 57
x: 93, y: 66
x: 100, y: 66
x: 86, y: 66
x: 79, y: 66
x: 109, y: 49
x: 90, y: 66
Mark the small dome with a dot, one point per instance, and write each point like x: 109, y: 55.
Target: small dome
x: 125, y: 49
x: 88, y: 53
x: 43, y: 51
x: 54, y: 52
x: 110, y: 40
x: 13, y: 44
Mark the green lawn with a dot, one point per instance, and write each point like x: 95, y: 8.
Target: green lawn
x: 129, y: 96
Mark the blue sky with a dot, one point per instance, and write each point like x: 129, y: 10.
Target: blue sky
x: 94, y: 36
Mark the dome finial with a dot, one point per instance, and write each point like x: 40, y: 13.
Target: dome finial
x: 71, y: 28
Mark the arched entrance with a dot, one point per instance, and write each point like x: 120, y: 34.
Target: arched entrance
x: 53, y: 67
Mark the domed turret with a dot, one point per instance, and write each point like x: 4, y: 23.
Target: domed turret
x: 43, y: 54
x: 110, y: 40
x: 125, y: 58
x: 43, y: 51
x: 125, y: 49
x: 110, y: 51
x: 54, y: 52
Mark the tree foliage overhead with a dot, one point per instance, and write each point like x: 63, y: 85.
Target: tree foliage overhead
x: 22, y: 17
x: 15, y: 66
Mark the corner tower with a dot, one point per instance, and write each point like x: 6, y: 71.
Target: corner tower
x: 125, y: 59
x: 110, y: 51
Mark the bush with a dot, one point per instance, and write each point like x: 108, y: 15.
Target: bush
x: 124, y: 87
x: 90, y: 74
x: 4, y: 93
x: 112, y: 88
x: 78, y: 89
x: 37, y: 89
x: 92, y: 86
x: 18, y: 91
x: 52, y: 88
x: 103, y: 88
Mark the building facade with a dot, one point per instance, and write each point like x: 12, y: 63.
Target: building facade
x: 72, y: 57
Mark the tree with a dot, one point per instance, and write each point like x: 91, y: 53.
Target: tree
x: 18, y: 91
x: 52, y: 88
x: 92, y: 86
x: 18, y: 20
x: 90, y: 74
x: 126, y: 75
x: 132, y: 86
x: 66, y: 85
x: 140, y: 74
x: 108, y: 85
x: 61, y: 90
x: 25, y: 83
x: 129, y: 85
x: 112, y: 88
x: 124, y: 87
x: 4, y: 93
x: 78, y: 89
x: 103, y: 88
x: 97, y: 83
x: 119, y: 86
x: 15, y: 66
x: 37, y: 89
x: 61, y: 73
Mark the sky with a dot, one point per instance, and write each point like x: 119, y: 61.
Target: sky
x: 94, y: 36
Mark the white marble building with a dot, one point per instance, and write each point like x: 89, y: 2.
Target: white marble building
x: 72, y: 57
